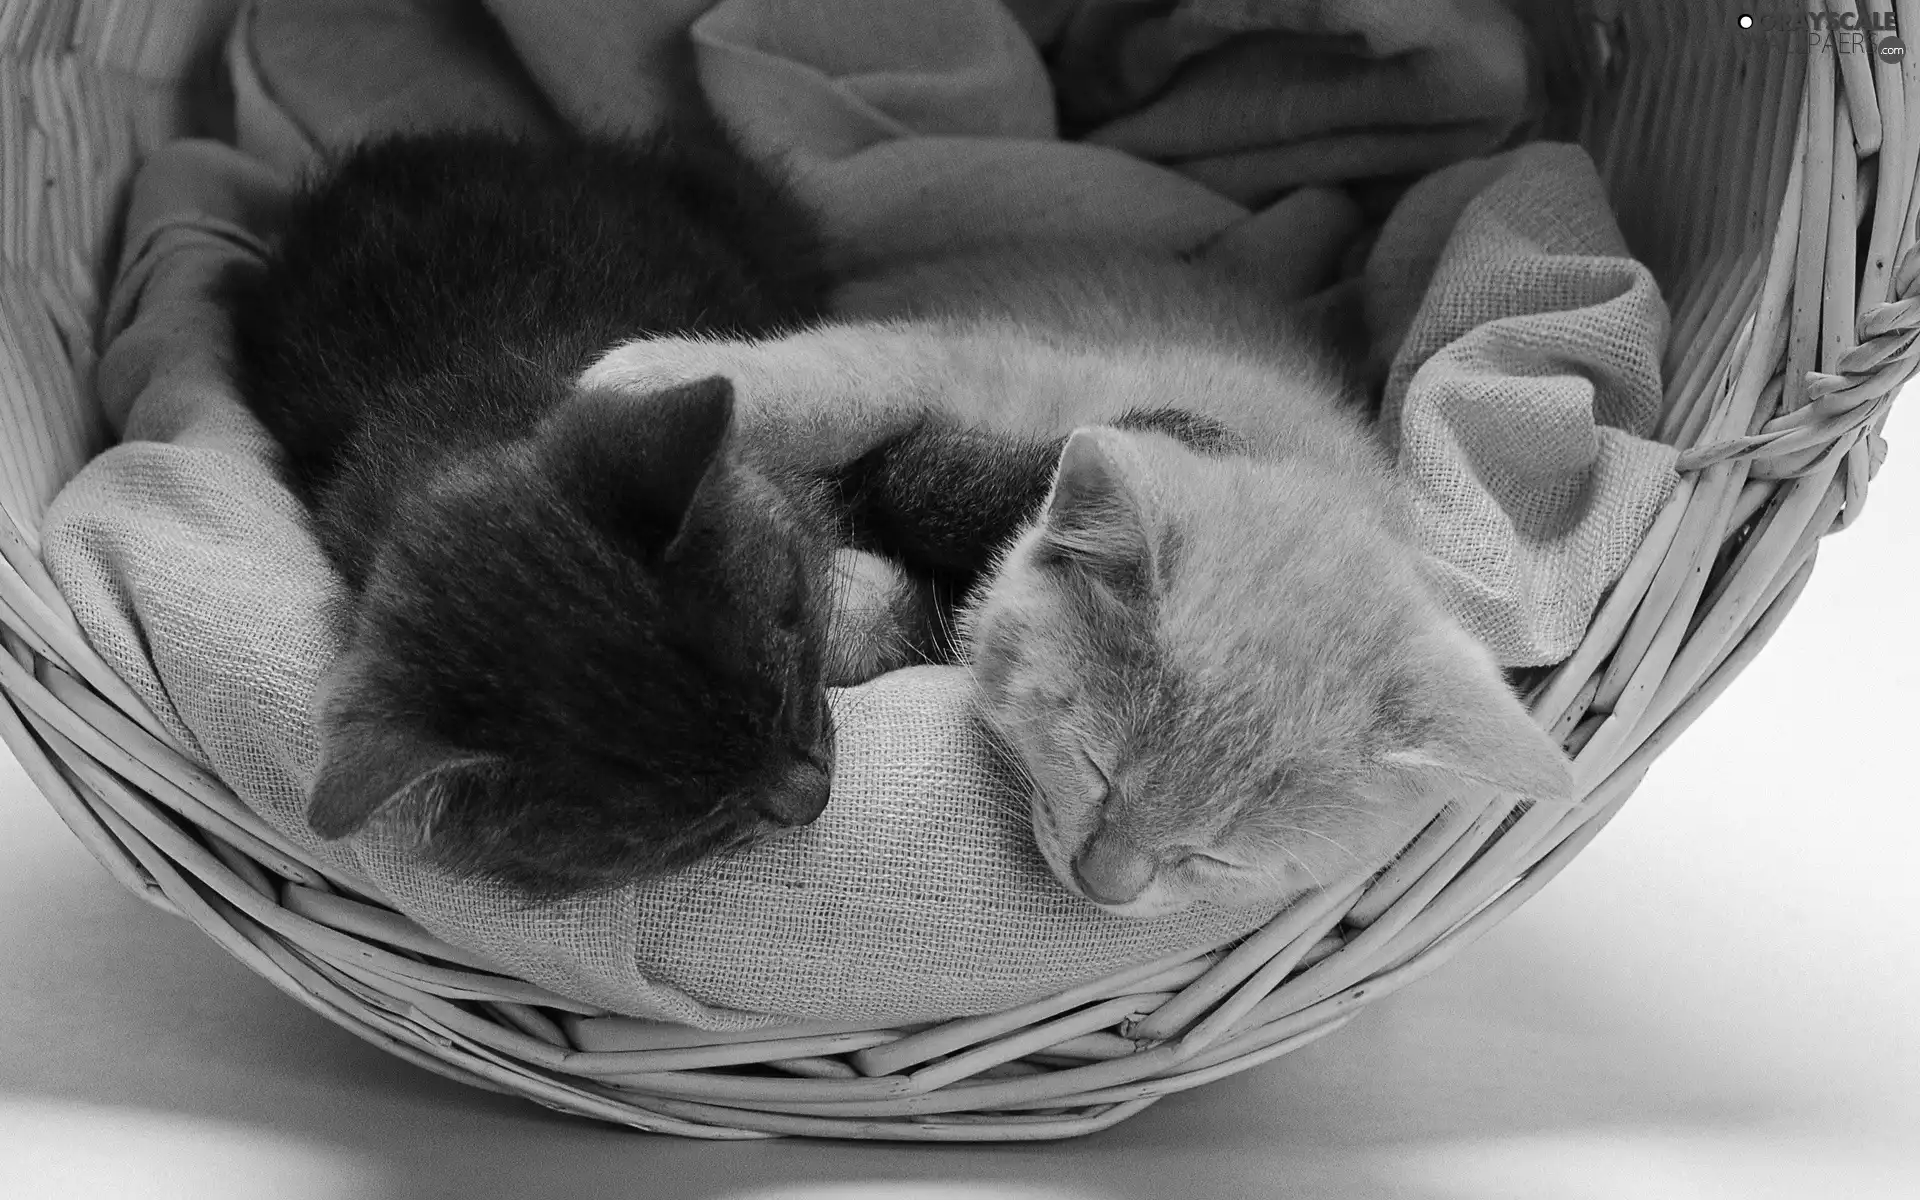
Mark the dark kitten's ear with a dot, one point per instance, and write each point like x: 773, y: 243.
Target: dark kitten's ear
x: 644, y: 460
x: 1096, y: 520
x: 369, y: 760
x: 368, y: 767
x: 1448, y: 714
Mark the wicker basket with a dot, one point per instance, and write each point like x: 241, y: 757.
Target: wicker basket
x: 1771, y: 190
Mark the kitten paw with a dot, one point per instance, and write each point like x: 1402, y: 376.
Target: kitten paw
x: 882, y: 619
x: 654, y: 364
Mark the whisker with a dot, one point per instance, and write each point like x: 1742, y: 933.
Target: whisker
x: 1334, y: 842
x: 1371, y: 814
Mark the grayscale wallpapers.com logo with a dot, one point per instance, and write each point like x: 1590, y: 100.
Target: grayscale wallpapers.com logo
x: 1827, y: 31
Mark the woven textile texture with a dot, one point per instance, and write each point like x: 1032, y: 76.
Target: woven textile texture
x: 1522, y: 392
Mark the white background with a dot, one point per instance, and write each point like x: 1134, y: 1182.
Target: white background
x: 1717, y: 999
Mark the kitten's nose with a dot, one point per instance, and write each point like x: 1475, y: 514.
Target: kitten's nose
x: 800, y: 797
x: 1110, y: 870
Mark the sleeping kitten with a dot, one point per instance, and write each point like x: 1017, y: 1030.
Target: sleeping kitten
x: 589, y: 629
x: 1201, y: 625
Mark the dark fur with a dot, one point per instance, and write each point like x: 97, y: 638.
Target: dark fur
x: 946, y: 498
x: 594, y: 623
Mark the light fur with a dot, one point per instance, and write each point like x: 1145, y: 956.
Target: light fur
x: 1227, y: 675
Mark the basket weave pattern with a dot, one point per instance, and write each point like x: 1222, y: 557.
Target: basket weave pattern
x: 1771, y: 190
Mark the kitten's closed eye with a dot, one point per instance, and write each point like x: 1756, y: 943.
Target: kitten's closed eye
x: 1100, y: 779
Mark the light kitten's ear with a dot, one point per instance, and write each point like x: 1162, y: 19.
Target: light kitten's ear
x: 368, y: 768
x: 1096, y: 520
x: 644, y: 460
x: 1449, y: 712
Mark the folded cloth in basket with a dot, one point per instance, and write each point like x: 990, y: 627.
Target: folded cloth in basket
x: 1520, y: 382
x: 1252, y: 97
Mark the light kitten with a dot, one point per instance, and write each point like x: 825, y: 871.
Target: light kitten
x: 1201, y: 624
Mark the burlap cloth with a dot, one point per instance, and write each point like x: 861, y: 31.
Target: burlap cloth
x: 1519, y: 342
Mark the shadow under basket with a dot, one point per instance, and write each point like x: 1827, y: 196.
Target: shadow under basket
x: 1769, y: 188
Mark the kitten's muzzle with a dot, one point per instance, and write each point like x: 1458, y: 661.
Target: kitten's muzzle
x: 801, y: 794
x: 1111, y: 870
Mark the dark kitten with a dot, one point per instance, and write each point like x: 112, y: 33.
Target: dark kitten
x: 589, y: 629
